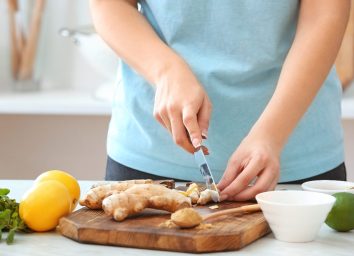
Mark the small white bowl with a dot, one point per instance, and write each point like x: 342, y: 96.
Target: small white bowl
x: 295, y: 216
x: 329, y: 186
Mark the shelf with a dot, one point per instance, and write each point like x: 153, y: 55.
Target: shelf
x: 53, y: 102
x: 75, y: 102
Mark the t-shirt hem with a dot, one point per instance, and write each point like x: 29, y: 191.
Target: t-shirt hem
x: 161, y: 168
x: 325, y: 165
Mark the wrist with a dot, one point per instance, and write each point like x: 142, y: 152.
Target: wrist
x: 162, y: 69
x: 269, y: 136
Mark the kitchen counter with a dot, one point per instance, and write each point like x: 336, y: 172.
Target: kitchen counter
x: 53, y: 102
x: 328, y: 242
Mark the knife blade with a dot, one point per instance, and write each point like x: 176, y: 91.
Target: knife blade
x: 206, y: 173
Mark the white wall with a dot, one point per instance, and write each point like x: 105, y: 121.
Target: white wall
x: 59, y: 64
x: 348, y: 126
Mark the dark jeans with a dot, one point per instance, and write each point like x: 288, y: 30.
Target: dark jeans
x: 117, y: 171
x: 338, y: 173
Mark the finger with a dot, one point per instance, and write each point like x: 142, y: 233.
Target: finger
x: 159, y: 119
x: 205, y: 150
x: 204, y: 117
x: 232, y: 170
x: 263, y: 183
x: 179, y: 133
x: 274, y: 184
x: 166, y: 121
x: 242, y: 181
x: 190, y: 121
x: 157, y: 115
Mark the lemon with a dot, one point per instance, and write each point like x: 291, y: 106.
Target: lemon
x: 66, y: 179
x: 341, y: 217
x: 44, y: 204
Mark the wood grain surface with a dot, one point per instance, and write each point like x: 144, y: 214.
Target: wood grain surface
x: 145, y: 231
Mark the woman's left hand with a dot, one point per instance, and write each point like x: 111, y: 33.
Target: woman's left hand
x: 255, y: 158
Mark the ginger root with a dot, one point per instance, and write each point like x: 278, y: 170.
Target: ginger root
x: 94, y: 197
x: 141, y: 196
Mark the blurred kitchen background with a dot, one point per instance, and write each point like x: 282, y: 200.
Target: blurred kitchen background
x: 57, y: 84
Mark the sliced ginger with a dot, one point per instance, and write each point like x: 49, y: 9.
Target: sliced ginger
x: 140, y: 196
x: 207, y: 196
x: 200, y: 198
x: 94, y: 197
x: 193, y: 192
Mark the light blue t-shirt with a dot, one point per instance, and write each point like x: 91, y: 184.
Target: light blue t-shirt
x: 236, y: 49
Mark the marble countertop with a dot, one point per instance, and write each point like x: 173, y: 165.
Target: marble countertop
x: 328, y: 242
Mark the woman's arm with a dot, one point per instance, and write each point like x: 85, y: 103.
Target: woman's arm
x: 319, y: 33
x: 180, y: 103
x: 128, y: 33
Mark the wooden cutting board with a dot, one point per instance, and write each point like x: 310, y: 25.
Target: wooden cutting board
x: 146, y: 230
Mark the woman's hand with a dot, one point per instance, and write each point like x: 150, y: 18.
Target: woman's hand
x: 255, y: 158
x: 305, y: 68
x: 182, y: 106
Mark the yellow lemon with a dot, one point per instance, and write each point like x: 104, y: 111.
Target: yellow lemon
x: 44, y: 204
x: 66, y: 179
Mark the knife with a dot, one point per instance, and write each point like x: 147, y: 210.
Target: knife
x: 206, y: 172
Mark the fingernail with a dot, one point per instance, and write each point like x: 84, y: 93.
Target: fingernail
x: 223, y: 197
x: 205, y: 150
x: 196, y: 142
x: 205, y: 134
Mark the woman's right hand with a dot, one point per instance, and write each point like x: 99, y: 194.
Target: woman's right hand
x: 182, y: 106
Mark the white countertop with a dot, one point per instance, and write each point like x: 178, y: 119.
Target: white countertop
x: 328, y: 242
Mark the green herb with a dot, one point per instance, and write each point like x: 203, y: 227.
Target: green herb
x: 9, y: 216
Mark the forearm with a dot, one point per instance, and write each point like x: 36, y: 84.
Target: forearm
x: 318, y: 37
x: 128, y: 33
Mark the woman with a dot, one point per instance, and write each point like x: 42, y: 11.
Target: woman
x: 262, y: 68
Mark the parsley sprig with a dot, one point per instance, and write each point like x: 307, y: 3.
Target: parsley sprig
x: 9, y: 216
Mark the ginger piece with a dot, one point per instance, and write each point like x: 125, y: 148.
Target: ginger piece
x: 141, y: 196
x: 193, y: 192
x: 182, y: 192
x: 94, y: 197
x: 199, y: 196
x: 207, y: 196
x: 186, y: 218
x: 167, y: 183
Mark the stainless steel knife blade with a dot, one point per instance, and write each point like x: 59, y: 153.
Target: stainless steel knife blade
x: 206, y: 172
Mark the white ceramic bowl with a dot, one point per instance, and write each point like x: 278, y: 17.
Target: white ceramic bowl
x: 295, y: 216
x: 329, y: 186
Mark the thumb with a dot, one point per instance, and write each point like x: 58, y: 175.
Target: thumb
x: 232, y: 170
